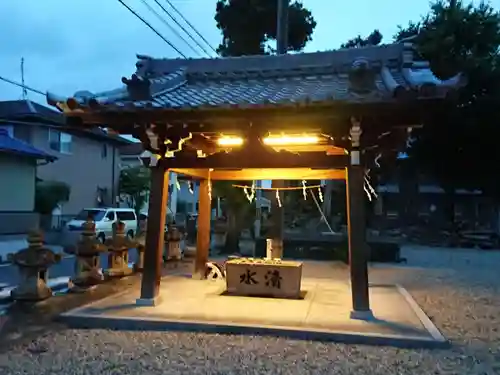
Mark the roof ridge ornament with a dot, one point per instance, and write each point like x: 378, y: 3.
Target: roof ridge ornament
x: 362, y: 76
x: 138, y: 88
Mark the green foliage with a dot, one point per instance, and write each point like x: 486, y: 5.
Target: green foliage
x: 48, y: 194
x: 373, y: 39
x: 240, y: 212
x: 248, y: 25
x: 134, y: 183
x: 457, y: 37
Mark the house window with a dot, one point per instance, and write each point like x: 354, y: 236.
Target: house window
x: 59, y: 141
x: 104, y: 151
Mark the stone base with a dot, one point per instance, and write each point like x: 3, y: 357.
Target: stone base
x: 362, y: 315
x: 151, y: 302
x: 118, y: 272
x: 38, y: 292
x: 81, y: 289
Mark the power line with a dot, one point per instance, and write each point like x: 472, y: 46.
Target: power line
x: 188, y: 23
x: 170, y: 26
x: 152, y: 28
x: 24, y: 87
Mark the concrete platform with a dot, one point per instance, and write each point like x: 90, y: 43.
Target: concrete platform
x: 323, y: 313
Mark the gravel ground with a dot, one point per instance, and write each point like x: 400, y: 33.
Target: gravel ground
x: 459, y: 291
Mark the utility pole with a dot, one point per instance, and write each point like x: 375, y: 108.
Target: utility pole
x: 25, y: 92
x: 282, y: 34
x: 278, y: 217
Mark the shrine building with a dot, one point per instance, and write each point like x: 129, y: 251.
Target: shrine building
x: 304, y: 116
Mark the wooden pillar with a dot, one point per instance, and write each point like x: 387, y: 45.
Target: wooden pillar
x: 153, y: 254
x: 356, y: 224
x: 203, y: 231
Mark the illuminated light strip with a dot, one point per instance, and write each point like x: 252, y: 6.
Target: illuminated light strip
x: 290, y: 140
x: 271, y: 141
x: 230, y: 141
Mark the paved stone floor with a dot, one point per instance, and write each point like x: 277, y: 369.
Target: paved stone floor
x: 325, y: 309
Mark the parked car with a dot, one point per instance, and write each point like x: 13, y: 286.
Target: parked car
x: 104, y: 219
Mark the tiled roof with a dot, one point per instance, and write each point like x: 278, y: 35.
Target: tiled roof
x: 14, y: 146
x: 369, y: 74
x: 25, y: 108
x: 37, y: 113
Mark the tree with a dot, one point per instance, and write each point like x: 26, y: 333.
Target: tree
x: 373, y: 39
x: 134, y: 184
x: 49, y: 194
x: 457, y: 37
x: 239, y: 211
x: 248, y: 25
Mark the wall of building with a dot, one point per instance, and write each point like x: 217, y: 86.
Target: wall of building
x: 17, y: 190
x: 90, y: 165
x: 17, y: 194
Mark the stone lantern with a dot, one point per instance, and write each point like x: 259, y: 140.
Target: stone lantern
x: 140, y: 243
x: 33, y: 264
x: 118, y: 247
x: 88, y: 268
x: 220, y: 234
x: 174, y: 237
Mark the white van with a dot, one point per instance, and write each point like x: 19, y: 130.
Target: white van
x: 104, y: 219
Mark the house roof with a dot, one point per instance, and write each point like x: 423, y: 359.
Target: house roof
x: 14, y: 146
x: 27, y: 108
x: 35, y: 114
x: 132, y: 149
x: 359, y: 75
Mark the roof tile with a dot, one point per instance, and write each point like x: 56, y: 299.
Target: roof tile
x: 369, y: 74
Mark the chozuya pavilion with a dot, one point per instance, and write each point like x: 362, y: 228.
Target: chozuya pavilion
x: 323, y: 115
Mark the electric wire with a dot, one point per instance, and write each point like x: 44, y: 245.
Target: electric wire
x: 183, y: 28
x: 152, y: 10
x: 24, y: 87
x: 152, y: 28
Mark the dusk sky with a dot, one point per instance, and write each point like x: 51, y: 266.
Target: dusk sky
x: 91, y: 44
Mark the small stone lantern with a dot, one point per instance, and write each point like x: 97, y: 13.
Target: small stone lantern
x: 33, y: 264
x: 220, y: 233
x: 118, y: 246
x: 140, y: 243
x: 88, y: 268
x: 174, y: 237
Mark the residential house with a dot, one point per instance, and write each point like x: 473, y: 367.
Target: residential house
x: 18, y: 165
x: 182, y: 198
x: 87, y: 160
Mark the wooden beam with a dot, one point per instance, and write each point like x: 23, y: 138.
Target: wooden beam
x: 247, y: 159
x: 153, y: 255
x: 278, y: 174
x: 203, y: 230
x: 191, y: 172
x: 325, y: 116
x: 328, y: 149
